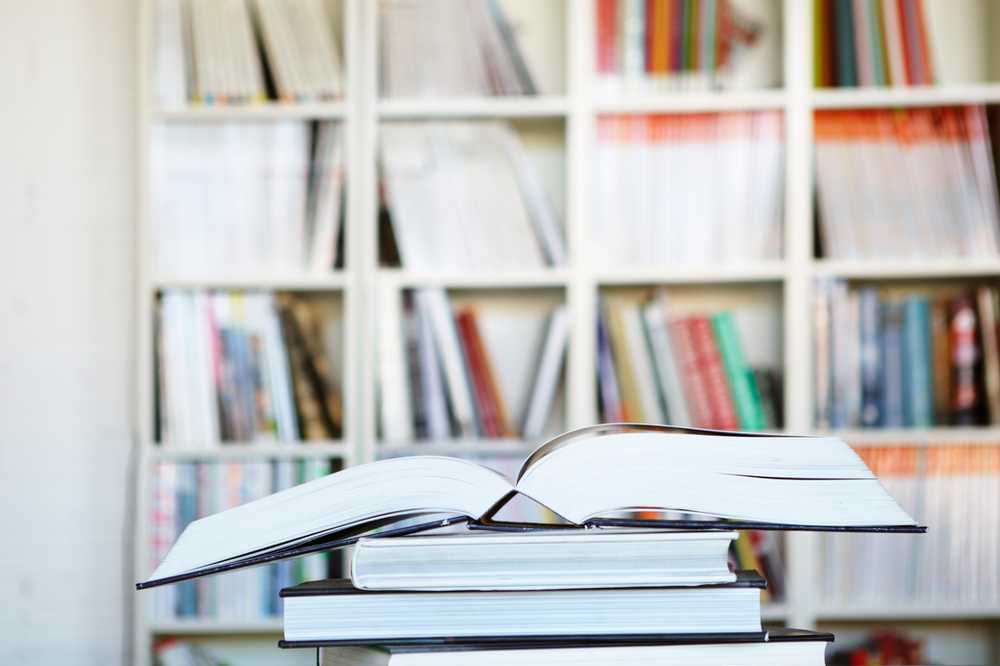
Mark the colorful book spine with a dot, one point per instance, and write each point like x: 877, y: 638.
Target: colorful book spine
x: 917, y: 377
x: 741, y: 380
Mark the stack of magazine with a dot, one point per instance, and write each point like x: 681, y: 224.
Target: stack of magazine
x: 600, y: 587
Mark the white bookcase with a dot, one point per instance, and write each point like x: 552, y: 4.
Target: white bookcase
x: 558, y: 39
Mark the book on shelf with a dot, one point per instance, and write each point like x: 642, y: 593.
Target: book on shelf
x: 183, y: 491
x: 663, y: 46
x: 871, y: 43
x: 955, y: 488
x: 688, y: 189
x: 906, y: 183
x: 907, y: 360
x: 791, y: 647
x: 241, y: 367
x: 555, y: 559
x: 243, y: 51
x: 783, y: 482
x: 245, y: 198
x: 684, y: 370
x: 463, y: 195
x: 334, y: 610
x: 441, y: 48
x: 437, y: 377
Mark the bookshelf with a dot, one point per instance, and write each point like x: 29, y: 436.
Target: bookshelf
x: 558, y: 131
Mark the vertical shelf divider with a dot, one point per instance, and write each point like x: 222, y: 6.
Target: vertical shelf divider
x: 797, y: 57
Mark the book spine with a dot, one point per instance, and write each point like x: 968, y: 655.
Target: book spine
x: 413, y: 364
x: 871, y: 358
x: 741, y: 382
x: 919, y: 406
x: 611, y: 404
x: 988, y: 320
x: 691, y: 373
x: 707, y: 351
x: 966, y: 398
x: 475, y: 362
x: 892, y: 351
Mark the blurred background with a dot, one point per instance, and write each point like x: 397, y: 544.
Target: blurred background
x: 246, y: 243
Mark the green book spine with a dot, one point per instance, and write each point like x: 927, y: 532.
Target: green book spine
x: 741, y: 381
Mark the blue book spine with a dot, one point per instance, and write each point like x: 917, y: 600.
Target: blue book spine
x: 871, y: 357
x: 892, y: 377
x: 917, y: 387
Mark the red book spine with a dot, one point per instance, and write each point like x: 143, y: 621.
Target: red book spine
x: 906, y: 37
x: 504, y: 427
x: 716, y: 385
x: 691, y: 373
x: 924, y: 49
x: 487, y: 415
x: 607, y: 32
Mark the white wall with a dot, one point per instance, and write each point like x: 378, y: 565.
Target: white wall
x: 66, y: 209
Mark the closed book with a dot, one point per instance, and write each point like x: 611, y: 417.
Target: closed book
x: 665, y: 361
x: 554, y: 559
x: 330, y: 611
x: 966, y: 395
x: 871, y: 357
x: 988, y: 317
x: 696, y: 394
x: 783, y: 647
x: 941, y: 362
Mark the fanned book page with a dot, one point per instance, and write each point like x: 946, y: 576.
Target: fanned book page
x: 784, y: 481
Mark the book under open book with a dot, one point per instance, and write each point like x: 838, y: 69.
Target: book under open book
x: 588, y: 477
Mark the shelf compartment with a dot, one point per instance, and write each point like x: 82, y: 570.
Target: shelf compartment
x: 859, y: 98
x: 473, y: 107
x: 903, y: 269
x: 769, y: 272
x: 740, y: 100
x: 266, y: 111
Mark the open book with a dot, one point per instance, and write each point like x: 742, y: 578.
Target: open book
x: 585, y: 476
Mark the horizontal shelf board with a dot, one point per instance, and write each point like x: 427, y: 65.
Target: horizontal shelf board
x: 458, y: 447
x: 206, y: 626
x: 474, y: 107
x: 919, y: 436
x: 735, y: 100
x: 304, y: 282
x: 922, y: 268
x: 266, y: 111
x: 248, y: 451
x: 851, y: 98
x: 485, y: 280
x: 773, y: 272
x: 916, y: 611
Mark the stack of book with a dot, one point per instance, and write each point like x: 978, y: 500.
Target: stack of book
x: 910, y: 183
x: 438, y: 48
x: 871, y: 43
x: 245, y: 198
x: 463, y: 195
x: 210, y: 52
x: 886, y: 359
x: 691, y: 189
x: 655, y: 366
x: 437, y: 379
x: 512, y: 593
x: 242, y: 367
x: 656, y: 46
